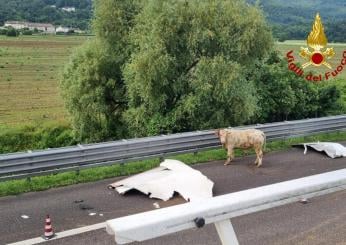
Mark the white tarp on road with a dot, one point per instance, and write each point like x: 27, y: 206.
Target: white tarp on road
x: 333, y: 150
x: 171, y: 176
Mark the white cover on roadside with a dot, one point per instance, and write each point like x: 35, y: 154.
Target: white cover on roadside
x: 171, y: 176
x: 333, y: 150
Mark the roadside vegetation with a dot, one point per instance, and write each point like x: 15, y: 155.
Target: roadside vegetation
x: 31, y: 136
x: 132, y: 80
x: 30, y: 101
x: 15, y: 187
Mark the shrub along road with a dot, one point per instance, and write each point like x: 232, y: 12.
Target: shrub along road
x: 318, y: 222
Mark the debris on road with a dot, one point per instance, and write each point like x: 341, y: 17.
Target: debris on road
x: 332, y: 150
x: 156, y: 205
x: 78, y: 201
x: 92, y: 214
x: 171, y: 176
x: 25, y: 216
x: 85, y: 207
x: 304, y: 201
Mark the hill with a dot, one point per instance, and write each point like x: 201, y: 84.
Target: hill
x: 301, y: 11
x: 293, y: 19
x: 47, y: 11
x: 289, y: 19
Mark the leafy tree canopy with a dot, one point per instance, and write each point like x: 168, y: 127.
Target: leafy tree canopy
x: 165, y: 66
x: 293, y: 19
x: 171, y: 66
x: 187, y: 68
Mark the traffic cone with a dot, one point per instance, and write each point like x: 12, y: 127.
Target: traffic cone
x: 48, y: 229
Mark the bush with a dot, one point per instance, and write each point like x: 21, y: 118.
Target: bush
x: 30, y: 137
x: 12, y: 32
x: 3, y: 31
x: 285, y: 96
x: 27, y: 32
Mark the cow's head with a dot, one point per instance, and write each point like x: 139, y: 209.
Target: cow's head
x: 222, y: 134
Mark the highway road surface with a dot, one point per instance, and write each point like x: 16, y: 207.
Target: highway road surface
x: 321, y: 221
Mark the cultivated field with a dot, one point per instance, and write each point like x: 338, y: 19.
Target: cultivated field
x: 335, y: 61
x: 30, y: 67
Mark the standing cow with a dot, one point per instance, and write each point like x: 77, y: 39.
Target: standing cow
x: 248, y: 138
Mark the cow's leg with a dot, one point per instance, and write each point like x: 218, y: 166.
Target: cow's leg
x: 259, y: 154
x: 257, y: 158
x: 230, y: 155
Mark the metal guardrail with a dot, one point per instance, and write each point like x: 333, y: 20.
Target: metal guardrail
x: 43, y: 162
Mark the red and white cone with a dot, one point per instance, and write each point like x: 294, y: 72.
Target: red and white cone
x: 48, y: 229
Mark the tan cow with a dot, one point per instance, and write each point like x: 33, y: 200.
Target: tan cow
x: 248, y: 138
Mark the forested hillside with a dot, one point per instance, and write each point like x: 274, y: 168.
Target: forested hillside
x: 293, y: 19
x: 289, y: 19
x: 44, y: 11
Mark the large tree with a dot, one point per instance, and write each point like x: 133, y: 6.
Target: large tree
x: 165, y: 66
x: 92, y: 83
x: 187, y: 70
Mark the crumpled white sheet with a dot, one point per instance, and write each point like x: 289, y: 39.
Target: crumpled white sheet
x: 171, y: 176
x: 333, y: 150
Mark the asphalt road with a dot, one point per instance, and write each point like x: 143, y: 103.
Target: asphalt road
x: 321, y: 221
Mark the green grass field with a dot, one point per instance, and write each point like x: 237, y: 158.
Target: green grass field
x: 295, y: 45
x: 30, y: 67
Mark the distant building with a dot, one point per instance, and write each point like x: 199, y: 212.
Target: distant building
x: 46, y: 28
x: 15, y: 24
x: 61, y: 29
x: 69, y: 9
x: 43, y: 27
x: 79, y: 31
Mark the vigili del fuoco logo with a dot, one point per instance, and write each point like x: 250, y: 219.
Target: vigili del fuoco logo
x: 317, y: 55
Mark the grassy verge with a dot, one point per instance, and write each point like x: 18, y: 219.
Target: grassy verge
x: 15, y: 187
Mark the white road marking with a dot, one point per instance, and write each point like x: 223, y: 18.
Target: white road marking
x: 62, y: 234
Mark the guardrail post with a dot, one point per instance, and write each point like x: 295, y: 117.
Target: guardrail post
x: 161, y: 158
x: 226, y: 232
x: 122, y: 169
x: 77, y: 174
x: 28, y: 180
